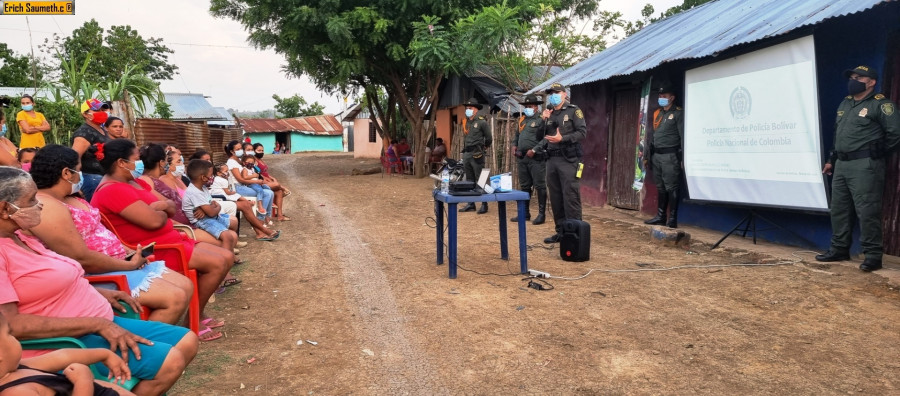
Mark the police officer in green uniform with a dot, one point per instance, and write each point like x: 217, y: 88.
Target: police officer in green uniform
x: 866, y: 131
x: 477, y: 140
x: 564, y: 130
x: 531, y: 166
x: 665, y: 154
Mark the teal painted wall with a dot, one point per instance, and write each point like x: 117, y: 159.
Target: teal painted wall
x: 301, y: 142
x: 267, y: 140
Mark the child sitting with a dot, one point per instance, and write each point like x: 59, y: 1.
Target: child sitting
x: 38, y: 375
x: 25, y: 156
x: 197, y: 196
x: 249, y: 172
x: 222, y: 186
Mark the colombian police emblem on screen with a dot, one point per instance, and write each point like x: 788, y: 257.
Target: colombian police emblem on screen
x: 740, y: 103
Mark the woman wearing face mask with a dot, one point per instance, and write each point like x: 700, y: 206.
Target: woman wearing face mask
x: 32, y: 124
x: 235, y: 152
x: 71, y: 227
x: 88, y: 141
x: 140, y: 218
x: 280, y: 191
x: 7, y: 148
x: 174, y: 176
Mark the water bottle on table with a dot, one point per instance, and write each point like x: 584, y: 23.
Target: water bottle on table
x: 445, y: 181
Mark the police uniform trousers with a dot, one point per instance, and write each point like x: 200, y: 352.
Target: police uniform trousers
x: 565, y: 190
x: 856, y: 192
x: 532, y: 174
x: 666, y: 172
x: 472, y: 165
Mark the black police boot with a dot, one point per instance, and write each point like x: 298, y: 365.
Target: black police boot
x: 553, y: 239
x: 483, y: 208
x: 833, y: 255
x: 515, y: 219
x: 673, y: 210
x: 542, y: 207
x: 662, y: 199
x: 869, y: 265
x: 468, y: 208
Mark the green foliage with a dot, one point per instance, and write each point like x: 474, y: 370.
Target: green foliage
x: 113, y: 51
x: 647, y: 15
x: 296, y: 106
x: 16, y: 70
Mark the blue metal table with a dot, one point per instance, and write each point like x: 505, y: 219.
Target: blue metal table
x: 500, y: 198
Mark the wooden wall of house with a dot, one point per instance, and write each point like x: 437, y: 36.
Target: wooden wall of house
x: 593, y: 99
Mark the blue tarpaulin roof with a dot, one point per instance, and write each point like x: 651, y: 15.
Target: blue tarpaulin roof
x: 704, y: 31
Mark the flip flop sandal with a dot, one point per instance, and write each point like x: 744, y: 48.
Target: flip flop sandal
x: 276, y: 235
x: 287, y: 193
x: 220, y: 290
x: 231, y: 282
x: 208, y: 322
x: 209, y: 334
x: 284, y: 218
x: 266, y: 239
x: 239, y: 262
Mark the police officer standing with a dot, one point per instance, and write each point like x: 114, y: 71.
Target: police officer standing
x: 477, y: 140
x: 866, y: 130
x: 564, y: 130
x: 531, y: 166
x: 665, y: 154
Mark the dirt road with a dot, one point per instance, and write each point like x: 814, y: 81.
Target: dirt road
x: 354, y: 278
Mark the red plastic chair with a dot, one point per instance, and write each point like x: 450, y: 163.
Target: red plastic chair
x: 121, y: 283
x: 390, y: 167
x: 175, y: 258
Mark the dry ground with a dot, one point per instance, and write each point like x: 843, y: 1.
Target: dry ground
x: 355, y: 273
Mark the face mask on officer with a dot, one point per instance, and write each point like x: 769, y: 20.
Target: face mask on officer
x: 663, y: 102
x: 529, y: 112
x: 469, y: 113
x: 555, y: 99
x: 854, y: 87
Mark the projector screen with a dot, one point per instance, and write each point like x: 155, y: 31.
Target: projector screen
x: 751, y: 130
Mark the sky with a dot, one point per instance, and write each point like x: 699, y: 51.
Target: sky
x: 212, y: 54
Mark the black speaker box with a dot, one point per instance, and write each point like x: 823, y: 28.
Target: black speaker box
x: 575, y: 244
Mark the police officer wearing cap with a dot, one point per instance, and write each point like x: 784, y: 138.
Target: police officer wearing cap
x: 665, y: 154
x: 867, y: 129
x: 477, y: 141
x: 531, y: 166
x: 564, y: 130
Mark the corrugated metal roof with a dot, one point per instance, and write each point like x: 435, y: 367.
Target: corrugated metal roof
x: 325, y: 125
x: 223, y: 112
x: 189, y: 107
x: 703, y: 31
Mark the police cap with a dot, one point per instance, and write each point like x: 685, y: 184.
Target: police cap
x: 862, y: 70
x: 555, y: 87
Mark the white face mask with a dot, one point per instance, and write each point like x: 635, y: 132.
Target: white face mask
x: 179, y: 170
x: 239, y: 153
x: 469, y: 113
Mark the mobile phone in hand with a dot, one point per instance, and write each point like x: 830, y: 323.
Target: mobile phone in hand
x: 146, y: 251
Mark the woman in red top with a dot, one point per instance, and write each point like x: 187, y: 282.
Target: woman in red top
x: 140, y: 217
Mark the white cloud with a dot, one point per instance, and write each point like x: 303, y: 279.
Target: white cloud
x: 242, y: 77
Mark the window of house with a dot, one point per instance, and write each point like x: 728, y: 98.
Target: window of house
x: 372, y: 132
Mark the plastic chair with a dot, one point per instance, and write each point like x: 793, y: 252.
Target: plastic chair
x: 69, y: 342
x: 390, y: 167
x: 175, y: 258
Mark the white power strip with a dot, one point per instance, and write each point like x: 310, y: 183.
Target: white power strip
x: 538, y: 274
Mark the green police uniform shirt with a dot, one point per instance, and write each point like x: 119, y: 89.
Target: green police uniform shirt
x: 477, y: 132
x: 570, y: 121
x: 861, y: 122
x: 530, y: 132
x: 668, y: 127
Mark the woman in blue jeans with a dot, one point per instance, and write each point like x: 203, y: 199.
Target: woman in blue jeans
x: 235, y: 152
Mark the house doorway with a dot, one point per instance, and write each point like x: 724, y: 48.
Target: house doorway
x: 891, y: 204
x: 622, y: 146
x: 284, y: 141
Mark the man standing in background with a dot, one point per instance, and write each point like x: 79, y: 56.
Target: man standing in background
x: 477, y: 141
x: 665, y: 155
x: 531, y: 166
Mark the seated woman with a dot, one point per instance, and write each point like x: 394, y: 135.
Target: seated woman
x: 43, y: 294
x: 280, y: 191
x: 7, y: 148
x: 222, y: 187
x: 140, y: 218
x: 40, y: 375
x: 71, y: 227
x: 234, y: 150
x: 249, y: 172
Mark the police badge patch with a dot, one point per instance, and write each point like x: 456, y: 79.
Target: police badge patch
x: 533, y: 124
x: 887, y: 108
x: 579, y: 114
x: 740, y: 103
x: 671, y: 116
x: 864, y: 112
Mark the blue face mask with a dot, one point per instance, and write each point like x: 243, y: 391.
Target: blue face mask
x: 76, y: 187
x: 529, y: 112
x: 663, y: 102
x: 469, y: 113
x: 138, y: 169
x: 27, y: 107
x: 3, y: 130
x: 555, y: 99
x: 239, y: 153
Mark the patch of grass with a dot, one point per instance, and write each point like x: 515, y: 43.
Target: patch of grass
x: 206, y: 366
